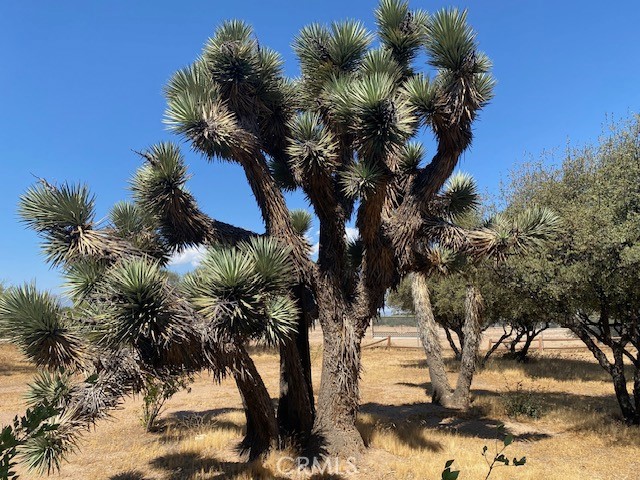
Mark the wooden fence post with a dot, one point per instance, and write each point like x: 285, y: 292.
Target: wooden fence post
x: 389, y: 342
x: 540, y: 344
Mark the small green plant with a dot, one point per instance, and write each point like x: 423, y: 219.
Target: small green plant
x: 156, y: 393
x: 447, y: 473
x: 521, y: 402
x: 24, y: 431
x: 503, y: 440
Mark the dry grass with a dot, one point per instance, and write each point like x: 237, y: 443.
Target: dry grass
x: 577, y: 436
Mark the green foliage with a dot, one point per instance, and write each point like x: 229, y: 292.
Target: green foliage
x: 138, y: 307
x: 49, y: 388
x: 499, y: 459
x: 21, y: 436
x: 589, y: 279
x: 312, y: 147
x: 301, y: 221
x: 46, y: 208
x: 155, y: 393
x: 40, y: 326
x: 63, y: 216
x: 401, y: 31
x: 461, y: 195
x: 521, y: 402
x: 447, y: 473
x: 242, y: 290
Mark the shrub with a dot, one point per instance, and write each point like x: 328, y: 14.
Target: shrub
x: 156, y: 393
x: 521, y: 402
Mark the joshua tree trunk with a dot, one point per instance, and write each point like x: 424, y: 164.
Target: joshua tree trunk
x: 262, y: 429
x: 296, y: 411
x: 335, y: 425
x: 442, y: 392
x: 295, y: 407
x: 474, y: 308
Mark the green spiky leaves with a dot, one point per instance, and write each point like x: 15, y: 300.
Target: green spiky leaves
x: 242, y: 290
x: 82, y: 278
x: 460, y: 195
x: 323, y: 50
x: 411, y: 155
x: 46, y: 207
x: 380, y: 120
x: 451, y: 42
x: 49, y: 388
x: 64, y: 217
x: 40, y: 326
x: 138, y: 308
x: 312, y: 148
x: 139, y: 226
x: 422, y: 94
x: 361, y: 179
x: 301, y: 221
x: 159, y: 188
x: 401, y: 30
x: 521, y: 233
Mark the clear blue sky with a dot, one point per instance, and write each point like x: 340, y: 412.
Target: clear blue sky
x: 81, y: 87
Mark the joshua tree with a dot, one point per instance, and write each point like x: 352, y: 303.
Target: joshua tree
x: 130, y: 320
x: 495, y: 239
x: 344, y: 132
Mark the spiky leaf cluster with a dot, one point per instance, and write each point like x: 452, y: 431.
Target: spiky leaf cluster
x: 159, y: 188
x: 242, y: 290
x: 301, y: 221
x: 312, y: 147
x: 38, y: 323
x: 401, y: 30
x: 64, y: 217
x: 137, y: 308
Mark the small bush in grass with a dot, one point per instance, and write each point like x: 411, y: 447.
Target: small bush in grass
x: 155, y: 393
x: 522, y: 403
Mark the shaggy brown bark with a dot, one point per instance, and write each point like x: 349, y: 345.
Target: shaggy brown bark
x: 334, y: 430
x: 261, y: 429
x: 474, y: 309
x: 296, y: 410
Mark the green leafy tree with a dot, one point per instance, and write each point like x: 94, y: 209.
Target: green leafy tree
x: 588, y: 278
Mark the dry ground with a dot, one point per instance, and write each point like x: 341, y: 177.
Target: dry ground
x: 577, y: 437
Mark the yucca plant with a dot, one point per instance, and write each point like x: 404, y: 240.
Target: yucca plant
x: 345, y: 132
x: 455, y: 245
x: 131, y: 326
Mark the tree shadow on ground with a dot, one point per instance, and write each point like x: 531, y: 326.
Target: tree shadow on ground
x: 14, y: 368
x: 185, y: 422
x: 185, y: 465
x: 556, y: 368
x: 129, y: 475
x: 413, y: 417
